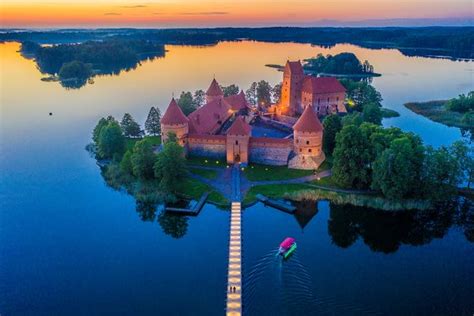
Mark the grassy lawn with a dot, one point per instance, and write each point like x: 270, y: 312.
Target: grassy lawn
x: 206, y: 162
x: 326, y: 182
x: 193, y: 188
x: 436, y: 111
x: 272, y: 191
x: 205, y: 173
x: 130, y: 142
x: 266, y: 173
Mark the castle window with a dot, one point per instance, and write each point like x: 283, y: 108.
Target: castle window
x: 309, y: 150
x: 307, y: 142
x: 301, y: 150
x: 236, y: 142
x: 319, y: 101
x: 297, y: 141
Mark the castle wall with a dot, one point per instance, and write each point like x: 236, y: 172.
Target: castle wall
x: 323, y: 102
x: 270, y: 151
x: 212, y: 146
x: 180, y: 130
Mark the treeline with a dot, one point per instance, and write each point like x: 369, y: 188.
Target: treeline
x: 134, y: 164
x: 343, y: 63
x: 393, y: 162
x: 80, y: 61
x: 462, y: 104
x: 107, y: 55
x: 452, y: 41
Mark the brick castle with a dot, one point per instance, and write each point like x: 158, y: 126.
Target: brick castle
x: 222, y: 128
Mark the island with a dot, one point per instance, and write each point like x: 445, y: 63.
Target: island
x: 457, y: 112
x: 74, y: 64
x: 342, y: 65
x: 318, y: 138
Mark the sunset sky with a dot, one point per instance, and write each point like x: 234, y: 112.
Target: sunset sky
x: 190, y: 13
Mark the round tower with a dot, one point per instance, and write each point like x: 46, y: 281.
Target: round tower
x: 308, y: 141
x: 175, y: 122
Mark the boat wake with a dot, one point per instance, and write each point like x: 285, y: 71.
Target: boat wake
x: 274, y: 286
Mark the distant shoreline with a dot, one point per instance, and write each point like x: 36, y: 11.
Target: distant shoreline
x: 435, y: 110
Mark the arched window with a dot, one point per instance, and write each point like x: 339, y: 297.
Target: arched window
x: 307, y: 142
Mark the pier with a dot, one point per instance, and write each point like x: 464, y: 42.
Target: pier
x: 285, y: 207
x: 190, y: 211
x: 234, y: 272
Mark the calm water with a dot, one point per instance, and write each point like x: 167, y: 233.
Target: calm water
x: 71, y: 245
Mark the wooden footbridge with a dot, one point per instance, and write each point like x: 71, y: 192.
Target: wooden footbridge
x: 234, y: 273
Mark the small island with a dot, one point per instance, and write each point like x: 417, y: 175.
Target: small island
x: 74, y: 64
x: 457, y: 112
x: 343, y: 65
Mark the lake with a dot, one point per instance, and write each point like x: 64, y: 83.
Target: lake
x: 71, y: 245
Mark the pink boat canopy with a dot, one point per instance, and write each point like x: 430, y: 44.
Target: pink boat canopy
x: 287, y: 243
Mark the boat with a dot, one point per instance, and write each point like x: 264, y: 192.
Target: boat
x: 287, y: 247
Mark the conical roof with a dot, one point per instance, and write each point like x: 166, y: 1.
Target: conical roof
x: 214, y: 89
x: 308, y: 122
x: 174, y: 115
x: 239, y: 127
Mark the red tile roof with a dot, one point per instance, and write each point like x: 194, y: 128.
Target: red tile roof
x: 318, y: 85
x: 208, y: 118
x: 174, y: 115
x: 239, y: 127
x: 308, y: 122
x: 295, y: 67
x: 237, y: 101
x: 214, y: 89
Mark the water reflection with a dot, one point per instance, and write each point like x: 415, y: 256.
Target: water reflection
x: 386, y: 231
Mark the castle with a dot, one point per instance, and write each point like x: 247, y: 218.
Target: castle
x: 222, y: 128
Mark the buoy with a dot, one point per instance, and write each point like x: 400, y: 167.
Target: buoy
x: 50, y: 113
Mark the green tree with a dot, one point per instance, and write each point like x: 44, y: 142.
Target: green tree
x: 360, y: 93
x: 199, y: 98
x: 462, y: 103
x: 395, y: 170
x: 130, y: 127
x: 371, y: 113
x: 351, y: 158
x: 170, y: 167
x: 464, y: 154
x: 143, y: 159
x: 441, y: 174
x: 251, y: 93
x: 186, y: 103
x: 75, y: 70
x: 354, y: 118
x: 152, y: 123
x: 126, y: 167
x: 102, y: 122
x: 230, y: 90
x: 111, y: 141
x: 276, y: 93
x: 264, y: 94
x: 332, y: 125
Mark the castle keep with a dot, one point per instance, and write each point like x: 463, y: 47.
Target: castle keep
x: 222, y: 128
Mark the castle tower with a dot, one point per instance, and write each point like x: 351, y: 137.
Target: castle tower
x: 214, y: 92
x: 290, y: 102
x: 308, y: 141
x: 174, y: 121
x: 237, y: 141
